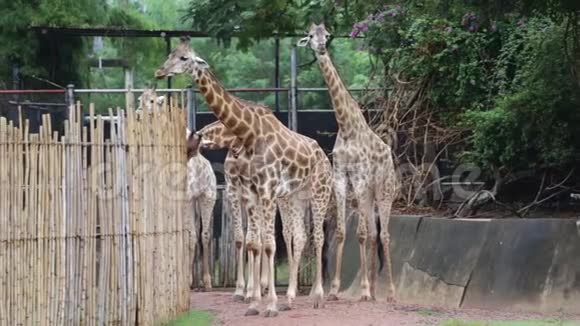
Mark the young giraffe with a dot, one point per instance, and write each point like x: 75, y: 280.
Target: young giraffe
x: 285, y: 168
x: 149, y: 100
x: 201, y: 187
x: 357, y: 152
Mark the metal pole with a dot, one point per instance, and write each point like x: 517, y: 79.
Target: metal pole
x: 292, y: 119
x: 13, y: 114
x: 69, y: 99
x: 168, y: 50
x: 277, y: 71
x: 129, y: 97
x: 191, y: 108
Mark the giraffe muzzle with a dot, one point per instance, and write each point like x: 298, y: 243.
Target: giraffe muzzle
x: 160, y: 74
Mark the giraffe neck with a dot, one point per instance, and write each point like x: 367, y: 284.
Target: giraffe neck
x: 227, y: 108
x: 348, y: 114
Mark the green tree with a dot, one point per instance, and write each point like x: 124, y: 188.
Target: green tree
x: 48, y: 58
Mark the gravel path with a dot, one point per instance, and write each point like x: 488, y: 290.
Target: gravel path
x: 349, y: 312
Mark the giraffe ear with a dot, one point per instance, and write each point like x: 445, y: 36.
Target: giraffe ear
x: 303, y: 41
x: 312, y: 25
x: 192, y: 144
x: 200, y: 62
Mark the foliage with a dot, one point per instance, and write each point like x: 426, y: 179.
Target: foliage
x: 506, y: 77
x: 252, y: 21
x: 535, y: 120
x: 38, y: 56
x: 198, y: 318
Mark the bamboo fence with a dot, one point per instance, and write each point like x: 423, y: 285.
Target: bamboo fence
x: 93, y: 227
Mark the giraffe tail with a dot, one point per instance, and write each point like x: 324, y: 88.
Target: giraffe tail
x: 380, y: 250
x: 329, y: 228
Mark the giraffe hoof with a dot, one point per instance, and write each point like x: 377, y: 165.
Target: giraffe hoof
x: 271, y: 313
x: 365, y: 298
x: 205, y: 290
x: 252, y: 312
x: 391, y: 299
x: 284, y: 307
x: 332, y: 297
x: 238, y: 298
x: 318, y: 304
x: 248, y: 300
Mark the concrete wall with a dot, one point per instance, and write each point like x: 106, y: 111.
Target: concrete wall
x: 512, y: 264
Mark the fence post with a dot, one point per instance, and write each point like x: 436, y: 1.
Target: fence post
x: 16, y: 83
x: 191, y: 108
x: 129, y: 98
x: 292, y: 119
x: 277, y: 71
x: 69, y: 98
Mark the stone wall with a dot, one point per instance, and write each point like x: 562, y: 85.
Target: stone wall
x: 512, y: 264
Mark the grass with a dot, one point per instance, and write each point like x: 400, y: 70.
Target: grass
x: 426, y: 312
x: 549, y: 322
x: 282, y: 271
x: 193, y: 318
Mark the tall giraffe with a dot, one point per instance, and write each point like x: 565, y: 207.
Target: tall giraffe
x: 201, y: 189
x: 363, y: 164
x: 286, y: 168
x: 238, y: 175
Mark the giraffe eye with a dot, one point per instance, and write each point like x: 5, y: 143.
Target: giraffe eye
x: 183, y: 58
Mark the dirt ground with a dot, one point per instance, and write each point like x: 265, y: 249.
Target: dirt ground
x: 349, y: 312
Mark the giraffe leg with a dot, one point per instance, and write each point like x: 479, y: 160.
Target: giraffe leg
x: 264, y: 273
x: 255, y: 300
x: 253, y: 247
x: 206, y: 210
x: 287, y: 227
x: 236, y: 211
x: 295, y: 217
x: 321, y: 193
x: 365, y: 210
x: 319, y: 207
x: 340, y: 188
x: 269, y: 247
x: 385, y: 203
x: 372, y: 232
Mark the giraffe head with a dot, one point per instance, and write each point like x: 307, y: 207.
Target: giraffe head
x: 317, y: 37
x: 216, y: 136
x: 192, y: 145
x: 181, y: 60
x: 149, y: 99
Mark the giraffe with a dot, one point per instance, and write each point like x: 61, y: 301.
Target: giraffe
x: 286, y: 168
x: 216, y: 136
x: 201, y: 189
x: 149, y: 100
x: 357, y: 152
